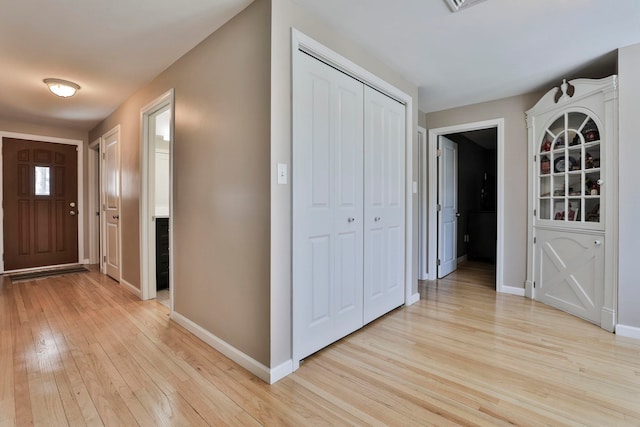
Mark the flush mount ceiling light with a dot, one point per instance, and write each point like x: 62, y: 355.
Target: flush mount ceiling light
x: 62, y: 88
x: 458, y: 5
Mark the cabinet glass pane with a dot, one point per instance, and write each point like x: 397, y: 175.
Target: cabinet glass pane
x: 570, y: 170
x: 545, y: 209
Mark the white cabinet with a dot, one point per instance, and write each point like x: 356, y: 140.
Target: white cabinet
x: 573, y: 199
x: 348, y: 205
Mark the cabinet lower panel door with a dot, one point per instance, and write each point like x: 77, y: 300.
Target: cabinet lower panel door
x: 384, y: 200
x: 570, y: 272
x: 327, y: 206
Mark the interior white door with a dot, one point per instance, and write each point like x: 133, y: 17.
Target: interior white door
x: 447, y: 206
x: 384, y: 135
x: 111, y: 204
x: 327, y: 205
x: 570, y: 272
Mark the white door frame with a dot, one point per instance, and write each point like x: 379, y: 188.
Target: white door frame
x: 423, y: 194
x: 103, y: 218
x: 300, y: 41
x: 433, y: 192
x: 79, y: 148
x: 93, y: 170
x: 147, y: 224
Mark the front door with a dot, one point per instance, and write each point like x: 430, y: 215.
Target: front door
x: 40, y: 193
x: 447, y: 206
x: 111, y: 203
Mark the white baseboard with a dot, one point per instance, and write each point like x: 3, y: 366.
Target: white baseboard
x: 512, y: 290
x: 413, y: 299
x: 608, y: 319
x: 463, y: 258
x: 279, y: 372
x: 267, y: 375
x: 128, y: 286
x: 85, y: 261
x: 628, y: 331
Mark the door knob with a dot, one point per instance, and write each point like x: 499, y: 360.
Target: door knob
x: 72, y: 213
x: 72, y: 204
x: 457, y: 215
x: 350, y: 219
x: 597, y: 243
x: 116, y: 217
x: 376, y: 219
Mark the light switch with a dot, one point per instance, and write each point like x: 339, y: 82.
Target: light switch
x: 282, y: 173
x: 415, y: 187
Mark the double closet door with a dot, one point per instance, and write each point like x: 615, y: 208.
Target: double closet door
x: 348, y: 205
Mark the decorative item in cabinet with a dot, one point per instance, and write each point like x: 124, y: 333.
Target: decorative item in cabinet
x: 545, y: 165
x: 590, y: 132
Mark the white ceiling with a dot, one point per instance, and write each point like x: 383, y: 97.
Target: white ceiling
x: 495, y: 49
x: 111, y: 48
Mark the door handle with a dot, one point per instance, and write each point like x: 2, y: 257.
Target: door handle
x: 597, y: 243
x: 350, y: 219
x: 457, y: 215
x: 116, y: 217
x: 72, y: 213
x: 376, y: 219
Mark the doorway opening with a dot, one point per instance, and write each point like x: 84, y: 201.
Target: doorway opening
x: 157, y: 183
x: 476, y: 230
x: 473, y: 183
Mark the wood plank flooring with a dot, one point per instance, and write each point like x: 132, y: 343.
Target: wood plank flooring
x: 80, y: 350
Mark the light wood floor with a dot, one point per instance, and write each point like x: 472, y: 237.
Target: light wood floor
x: 79, y: 349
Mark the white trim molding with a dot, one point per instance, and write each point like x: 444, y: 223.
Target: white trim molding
x: 129, y: 287
x: 628, y: 331
x: 81, y: 208
x: 267, y: 375
x: 147, y: 226
x: 512, y: 290
x: 433, y: 191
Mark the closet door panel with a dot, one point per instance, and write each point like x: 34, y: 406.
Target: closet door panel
x: 327, y: 206
x: 384, y: 154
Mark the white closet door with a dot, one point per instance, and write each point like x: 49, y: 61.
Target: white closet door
x: 384, y: 134
x: 327, y: 205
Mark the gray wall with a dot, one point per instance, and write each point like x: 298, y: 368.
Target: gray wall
x: 221, y: 180
x: 629, y: 176
x: 515, y: 198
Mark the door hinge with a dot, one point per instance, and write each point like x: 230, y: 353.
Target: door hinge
x: 438, y: 262
x: 104, y: 207
x: 534, y: 284
x: 534, y: 240
x: 104, y: 258
x: 535, y: 212
x: 439, y: 207
x: 438, y: 152
x: 104, y: 156
x: 534, y: 158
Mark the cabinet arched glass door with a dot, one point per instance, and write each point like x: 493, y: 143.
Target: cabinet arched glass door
x: 569, y: 178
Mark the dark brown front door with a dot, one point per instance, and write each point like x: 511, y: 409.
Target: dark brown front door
x: 40, y: 193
